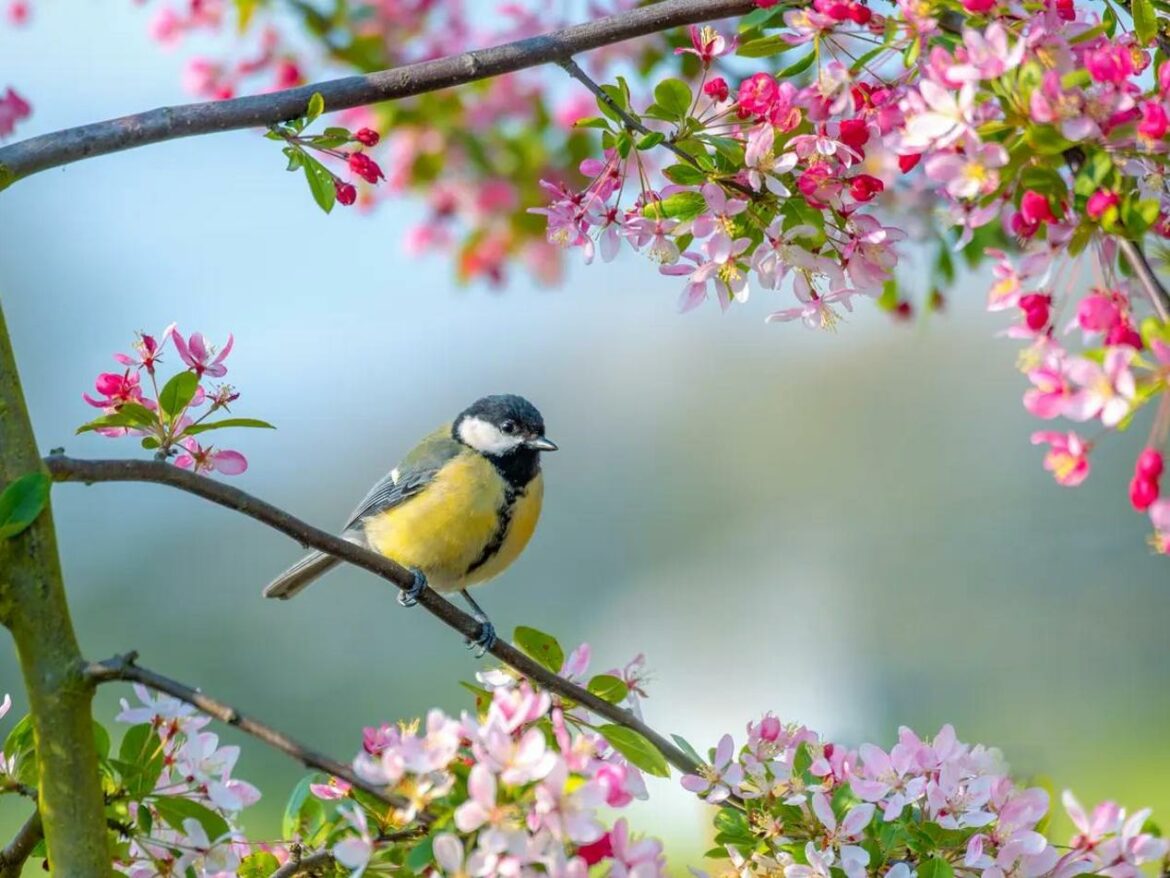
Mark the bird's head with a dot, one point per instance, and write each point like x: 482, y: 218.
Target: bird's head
x: 500, y: 425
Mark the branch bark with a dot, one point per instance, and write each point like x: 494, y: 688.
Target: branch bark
x: 168, y: 123
x: 304, y: 865
x: 21, y: 847
x: 123, y: 667
x: 34, y: 609
x: 66, y: 469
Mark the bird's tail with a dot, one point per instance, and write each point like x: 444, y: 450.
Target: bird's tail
x: 300, y: 576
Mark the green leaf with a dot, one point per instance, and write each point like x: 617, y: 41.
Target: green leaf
x: 802, y: 760
x: 684, y: 175
x: 483, y: 698
x: 540, y: 646
x: 681, y: 206
x: 129, y: 414
x: 141, y: 758
x: 758, y: 18
x: 636, y: 748
x: 592, y: 122
x: 258, y: 865
x: 316, y: 106
x: 21, y: 503
x: 1138, y: 214
x: 7, y: 177
x: 685, y: 746
x: 1145, y: 21
x: 1047, y: 140
x: 320, y: 183
x: 304, y: 814
x: 651, y: 140
x: 177, y: 393
x: 195, y: 429
x: 798, y: 67
x: 936, y: 867
x: 674, y: 96
x: 174, y: 810
x: 421, y: 856
x: 608, y: 688
x: 101, y: 740
x: 765, y: 47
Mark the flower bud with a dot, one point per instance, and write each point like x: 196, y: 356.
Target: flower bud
x: 717, y: 89
x: 346, y: 193
x: 367, y: 137
x: 1142, y: 493
x: 1150, y: 464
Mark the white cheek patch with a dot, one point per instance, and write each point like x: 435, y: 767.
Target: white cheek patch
x: 486, y: 438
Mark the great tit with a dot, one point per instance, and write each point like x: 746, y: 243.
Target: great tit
x: 456, y: 511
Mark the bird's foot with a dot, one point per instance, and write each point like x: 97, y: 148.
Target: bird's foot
x: 486, y: 638
x: 409, y: 597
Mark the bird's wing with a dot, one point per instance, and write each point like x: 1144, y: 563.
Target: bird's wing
x: 414, y: 473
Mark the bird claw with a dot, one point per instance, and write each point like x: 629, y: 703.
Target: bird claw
x: 409, y: 597
x: 486, y: 638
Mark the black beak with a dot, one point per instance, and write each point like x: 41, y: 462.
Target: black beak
x: 540, y: 443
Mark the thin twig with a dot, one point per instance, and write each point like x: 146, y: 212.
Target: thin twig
x: 18, y: 850
x: 167, y: 123
x: 66, y: 469
x: 299, y: 864
x: 633, y: 124
x: 1145, y: 274
x: 123, y: 667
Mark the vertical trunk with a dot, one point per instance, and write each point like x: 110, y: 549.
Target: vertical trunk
x: 33, y: 608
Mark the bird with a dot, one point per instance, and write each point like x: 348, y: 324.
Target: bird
x: 456, y: 511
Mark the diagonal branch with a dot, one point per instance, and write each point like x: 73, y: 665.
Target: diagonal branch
x: 18, y: 850
x: 300, y: 863
x: 122, y: 667
x: 67, y: 469
x: 168, y: 123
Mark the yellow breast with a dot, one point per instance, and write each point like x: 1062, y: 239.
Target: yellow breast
x: 457, y: 530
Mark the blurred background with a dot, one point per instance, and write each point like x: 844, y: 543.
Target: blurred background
x: 851, y: 529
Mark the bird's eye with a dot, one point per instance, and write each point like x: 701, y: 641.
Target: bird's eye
x: 508, y: 427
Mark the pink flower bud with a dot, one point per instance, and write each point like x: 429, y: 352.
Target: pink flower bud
x: 1150, y: 464
x: 757, y: 93
x: 365, y: 167
x: 1035, y: 208
x: 1124, y: 334
x: 863, y: 187
x: 1154, y: 121
x: 367, y: 137
x: 346, y: 193
x: 717, y: 89
x: 860, y: 14
x: 1142, y: 493
x: 979, y: 7
x: 1097, y: 313
x: 1099, y: 202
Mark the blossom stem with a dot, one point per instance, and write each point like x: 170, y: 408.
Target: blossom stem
x: 124, y: 668
x: 304, y: 865
x: 66, y: 469
x: 632, y: 124
x: 36, y: 154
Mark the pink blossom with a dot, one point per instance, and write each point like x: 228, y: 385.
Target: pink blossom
x: 971, y: 173
x: 1067, y: 458
x: 202, y: 357
x: 936, y: 116
x: 1051, y: 393
x: 632, y: 858
x: 1106, y: 391
x: 707, y: 44
x: 719, y: 780
x: 13, y: 109
x: 208, y: 459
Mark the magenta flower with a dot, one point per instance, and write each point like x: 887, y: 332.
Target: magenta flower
x: 115, y: 390
x: 1067, y: 458
x: 202, y: 357
x: 707, y: 44
x: 209, y: 459
x: 1051, y: 393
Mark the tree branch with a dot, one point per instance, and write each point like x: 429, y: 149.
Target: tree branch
x: 123, y: 668
x: 65, y: 469
x: 21, y: 847
x: 1144, y: 273
x: 303, y: 865
x: 34, y: 608
x: 168, y: 123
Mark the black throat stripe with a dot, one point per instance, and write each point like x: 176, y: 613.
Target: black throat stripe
x: 511, y: 495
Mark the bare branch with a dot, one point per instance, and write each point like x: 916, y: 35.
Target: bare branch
x: 123, y: 667
x: 168, y: 123
x: 66, y: 469
x: 299, y: 864
x: 21, y: 847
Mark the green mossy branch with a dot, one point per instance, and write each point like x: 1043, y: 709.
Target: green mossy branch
x: 34, y: 609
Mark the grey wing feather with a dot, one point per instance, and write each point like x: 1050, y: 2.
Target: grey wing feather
x: 416, y: 471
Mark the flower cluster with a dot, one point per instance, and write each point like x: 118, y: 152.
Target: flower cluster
x: 335, y: 144
x: 168, y: 418
x: 517, y: 789
x: 172, y: 804
x: 809, y: 808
